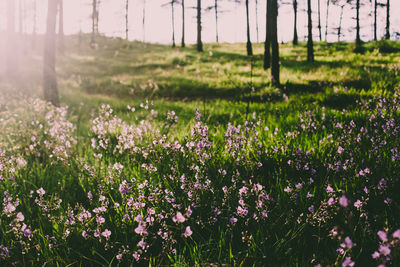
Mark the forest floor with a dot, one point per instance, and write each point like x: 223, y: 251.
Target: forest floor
x: 172, y: 157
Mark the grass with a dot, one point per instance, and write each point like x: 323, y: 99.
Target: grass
x: 334, y: 123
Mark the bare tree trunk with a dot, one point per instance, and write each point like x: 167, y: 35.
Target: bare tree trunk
x: 183, y: 23
x: 267, y: 43
x: 319, y: 20
x: 387, y: 35
x: 358, y: 38
x: 375, y: 23
x: 258, y: 40
x: 295, y: 37
x: 274, y: 43
x: 216, y: 20
x: 326, y: 21
x: 340, y: 22
x: 310, y: 44
x: 173, y: 23
x: 248, y: 45
x: 49, y: 56
x: 199, y: 42
x: 94, y: 15
x: 11, y: 62
x: 61, y: 27
x: 126, y: 19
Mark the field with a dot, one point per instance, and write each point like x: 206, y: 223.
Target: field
x: 161, y: 156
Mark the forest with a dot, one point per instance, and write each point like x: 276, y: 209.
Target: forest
x: 276, y: 148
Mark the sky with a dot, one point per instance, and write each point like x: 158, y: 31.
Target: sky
x: 232, y: 22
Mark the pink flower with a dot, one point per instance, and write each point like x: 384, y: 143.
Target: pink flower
x: 375, y: 255
x: 348, y: 242
x: 178, y: 218
x: 9, y: 208
x: 340, y: 150
x: 385, y: 250
x: 20, y: 217
x: 358, y: 203
x: 396, y: 234
x: 343, y: 201
x: 141, y: 230
x: 106, y: 233
x: 40, y: 191
x: 383, y: 236
x: 331, y: 201
x: 233, y: 220
x: 188, y: 232
x: 329, y: 189
x: 142, y: 244
x: 136, y: 255
x: 348, y: 262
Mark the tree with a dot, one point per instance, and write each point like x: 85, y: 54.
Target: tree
x: 216, y: 20
x: 387, y: 35
x: 274, y: 44
x: 375, y: 11
x: 257, y: 20
x: 310, y: 45
x: 183, y: 23
x: 126, y: 19
x: 295, y: 37
x: 358, y: 38
x: 173, y: 22
x: 49, y: 56
x: 340, y: 23
x: 326, y: 21
x: 11, y: 62
x: 267, y: 43
x: 319, y: 20
x: 94, y: 23
x: 199, y: 42
x: 248, y: 44
x: 60, y: 26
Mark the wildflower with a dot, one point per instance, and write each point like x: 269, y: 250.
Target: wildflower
x: 396, y: 234
x: 375, y: 255
x: 343, y: 201
x: 106, y: 233
x: 9, y: 208
x: 329, y: 189
x: 348, y: 262
x: 382, y: 235
x: 178, y: 218
x: 233, y: 220
x: 340, y: 150
x: 136, y: 256
x: 384, y: 250
x: 84, y: 234
x: 141, y: 230
x: 331, y: 201
x: 100, y: 220
x: 142, y: 244
x: 20, y: 217
x: 188, y: 232
x: 358, y: 203
x: 348, y: 242
x: 40, y: 192
x: 311, y: 208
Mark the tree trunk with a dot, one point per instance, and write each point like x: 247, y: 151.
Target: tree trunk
x: 183, y: 23
x: 199, y: 42
x: 375, y: 23
x: 126, y: 20
x: 274, y: 43
x: 216, y: 20
x: 326, y: 21
x: 319, y: 20
x: 11, y: 62
x: 49, y: 56
x: 267, y: 43
x: 358, y: 38
x: 61, y: 27
x: 295, y: 37
x: 310, y: 44
x: 257, y: 21
x: 173, y: 23
x: 340, y: 22
x: 94, y: 12
x: 248, y: 45
x: 387, y: 35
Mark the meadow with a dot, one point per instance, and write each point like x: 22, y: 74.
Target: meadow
x: 170, y: 157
